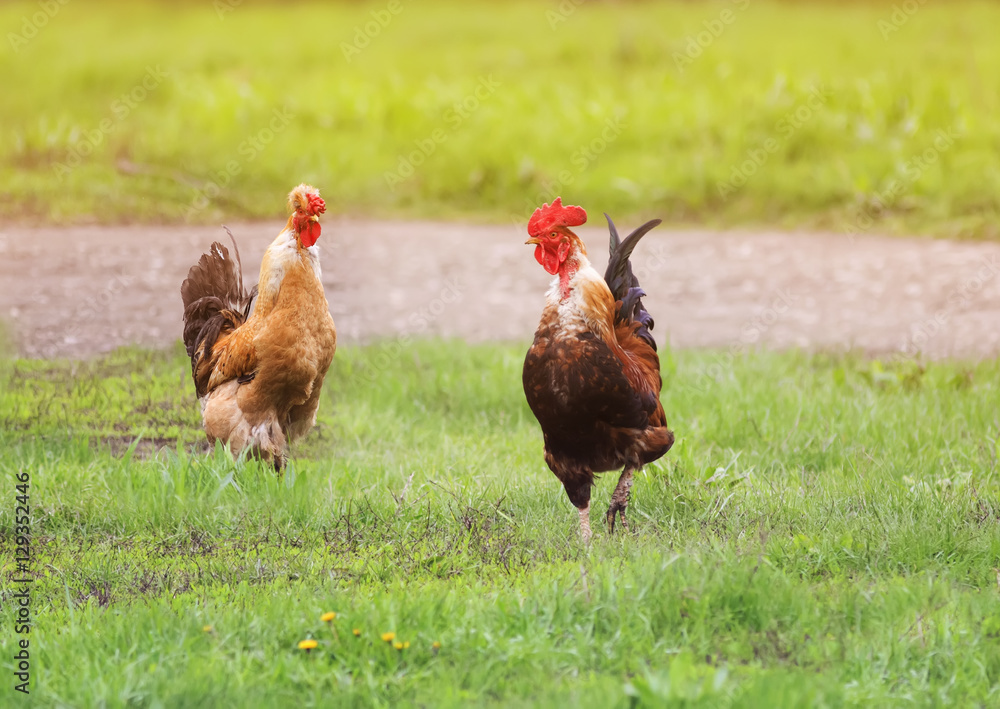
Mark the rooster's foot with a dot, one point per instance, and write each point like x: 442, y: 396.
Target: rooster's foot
x: 619, y: 510
x: 619, y: 501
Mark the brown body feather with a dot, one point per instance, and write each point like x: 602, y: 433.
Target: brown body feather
x: 592, y: 379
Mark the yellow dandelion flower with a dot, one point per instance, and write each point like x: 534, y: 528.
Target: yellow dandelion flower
x: 388, y: 637
x: 398, y: 645
x: 327, y: 617
x: 406, y: 645
x: 307, y: 645
x: 357, y: 632
x: 436, y: 645
x: 207, y: 628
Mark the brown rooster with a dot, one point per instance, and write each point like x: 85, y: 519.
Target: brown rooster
x: 259, y: 374
x: 592, y: 375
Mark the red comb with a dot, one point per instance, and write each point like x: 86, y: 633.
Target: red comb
x: 316, y: 204
x: 552, y: 215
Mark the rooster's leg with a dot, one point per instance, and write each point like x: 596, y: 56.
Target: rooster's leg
x: 619, y: 500
x: 578, y: 482
x: 585, y: 532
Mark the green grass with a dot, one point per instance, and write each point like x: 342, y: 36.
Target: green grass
x: 824, y: 533
x: 182, y: 153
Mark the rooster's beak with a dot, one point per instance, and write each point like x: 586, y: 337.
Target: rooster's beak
x: 533, y: 240
x: 314, y: 218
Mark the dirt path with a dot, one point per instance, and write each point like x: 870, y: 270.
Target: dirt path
x: 81, y: 291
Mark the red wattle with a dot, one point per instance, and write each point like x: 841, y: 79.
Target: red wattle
x: 310, y: 233
x: 550, y: 261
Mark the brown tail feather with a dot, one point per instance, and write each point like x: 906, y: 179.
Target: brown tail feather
x: 215, y: 301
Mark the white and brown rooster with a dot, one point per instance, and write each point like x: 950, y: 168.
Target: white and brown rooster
x: 259, y: 374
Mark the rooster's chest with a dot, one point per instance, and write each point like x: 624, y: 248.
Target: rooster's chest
x: 563, y: 374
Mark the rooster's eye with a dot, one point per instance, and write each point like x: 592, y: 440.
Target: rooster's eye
x: 552, y: 235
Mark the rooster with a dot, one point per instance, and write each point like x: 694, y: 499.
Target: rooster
x: 259, y: 374
x: 592, y: 375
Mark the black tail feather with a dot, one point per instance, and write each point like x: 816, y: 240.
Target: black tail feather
x: 623, y: 283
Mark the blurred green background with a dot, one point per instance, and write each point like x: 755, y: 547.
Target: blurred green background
x: 851, y: 117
